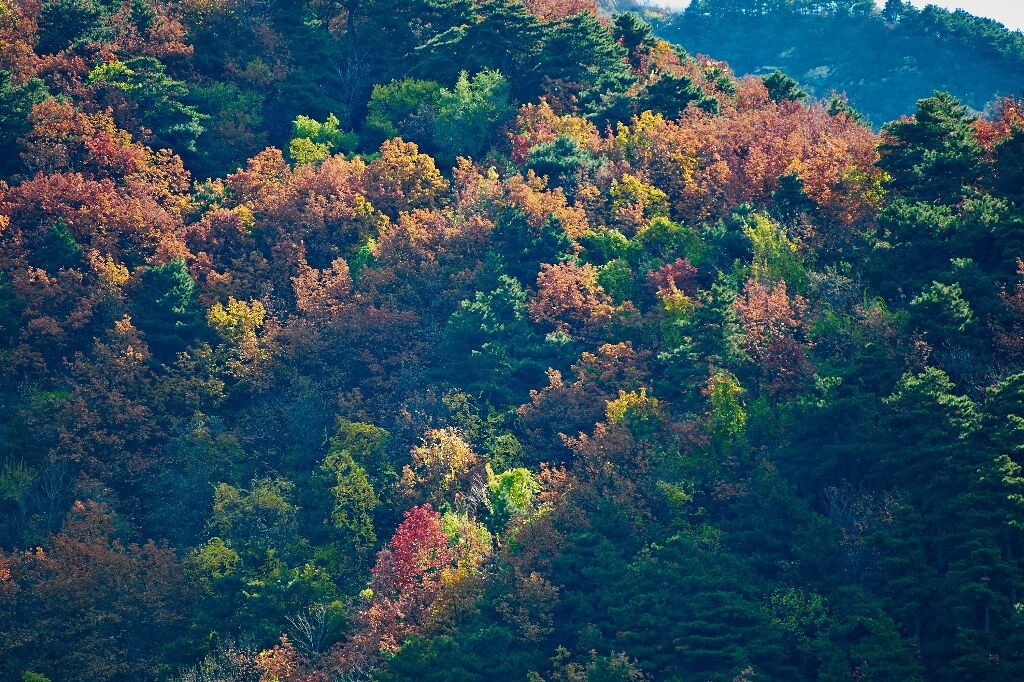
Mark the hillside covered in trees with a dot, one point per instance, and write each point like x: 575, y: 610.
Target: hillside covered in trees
x: 472, y: 340
x: 883, y: 58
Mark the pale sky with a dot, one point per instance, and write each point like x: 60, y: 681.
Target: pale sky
x: 1010, y: 12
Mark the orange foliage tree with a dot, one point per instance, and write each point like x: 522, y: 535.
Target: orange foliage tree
x: 119, y: 604
x: 772, y: 325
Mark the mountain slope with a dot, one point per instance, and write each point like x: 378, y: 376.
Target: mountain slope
x: 505, y: 343
x: 884, y: 61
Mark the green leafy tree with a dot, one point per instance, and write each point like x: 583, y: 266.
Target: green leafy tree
x: 634, y: 34
x: 789, y: 201
x: 505, y: 37
x: 16, y: 101
x: 727, y: 417
x: 523, y: 247
x: 256, y: 519
x: 313, y: 142
x: 165, y: 310
x: 369, y: 446
x: 1009, y: 166
x: 511, y: 494
x: 670, y: 95
x: 354, y: 498
x: 470, y: 115
x: 34, y: 677
x: 64, y: 23
x: 775, y: 256
x: 235, y: 131
x: 782, y: 88
x: 704, y: 625
x: 941, y: 311
x: 11, y: 307
x: 662, y: 242
x: 618, y: 279
x: 935, y: 155
x: 58, y: 250
x: 158, y: 103
x: 561, y: 161
x: 931, y: 450
x: 839, y: 105
x: 259, y: 566
x: 893, y: 10
x: 403, y: 108
x: 581, y: 51
x: 493, y: 347
x: 709, y: 337
x: 1004, y: 417
x: 16, y: 484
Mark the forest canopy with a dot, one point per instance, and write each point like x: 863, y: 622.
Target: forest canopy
x: 496, y: 340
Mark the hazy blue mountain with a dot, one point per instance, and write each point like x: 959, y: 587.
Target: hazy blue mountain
x: 885, y: 60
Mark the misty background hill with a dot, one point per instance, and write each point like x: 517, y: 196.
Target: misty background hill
x: 884, y: 59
